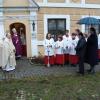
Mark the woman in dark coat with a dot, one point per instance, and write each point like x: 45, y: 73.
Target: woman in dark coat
x: 92, y: 50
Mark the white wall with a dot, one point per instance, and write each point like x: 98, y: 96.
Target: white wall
x: 34, y: 43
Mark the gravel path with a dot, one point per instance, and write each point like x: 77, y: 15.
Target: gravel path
x: 25, y: 69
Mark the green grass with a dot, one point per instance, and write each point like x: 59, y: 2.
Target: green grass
x: 71, y: 87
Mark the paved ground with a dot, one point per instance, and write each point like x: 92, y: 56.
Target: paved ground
x: 25, y: 69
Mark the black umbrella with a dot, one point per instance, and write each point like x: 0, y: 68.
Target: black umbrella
x: 89, y: 21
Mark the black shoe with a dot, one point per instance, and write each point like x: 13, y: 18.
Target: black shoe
x: 73, y: 65
x: 90, y: 71
x: 67, y: 63
x: 52, y: 65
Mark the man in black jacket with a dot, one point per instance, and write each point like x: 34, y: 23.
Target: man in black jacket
x: 80, y: 50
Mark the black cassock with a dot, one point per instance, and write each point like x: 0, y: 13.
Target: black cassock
x: 91, y: 56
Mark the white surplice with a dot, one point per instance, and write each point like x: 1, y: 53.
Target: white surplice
x: 66, y: 41
x: 72, y: 46
x: 49, y: 47
x: 59, y: 45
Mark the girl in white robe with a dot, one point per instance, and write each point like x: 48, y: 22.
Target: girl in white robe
x: 73, y: 58
x: 59, y: 51
x: 9, y: 61
x: 49, y: 51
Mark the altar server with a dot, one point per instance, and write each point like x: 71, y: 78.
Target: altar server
x: 73, y: 58
x: 59, y: 45
x: 49, y: 50
x: 66, y: 41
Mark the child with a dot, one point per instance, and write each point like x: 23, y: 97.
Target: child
x: 66, y: 40
x: 73, y: 58
x: 66, y: 34
x: 59, y: 51
x: 49, y: 50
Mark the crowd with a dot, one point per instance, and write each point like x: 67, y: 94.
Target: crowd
x: 73, y: 49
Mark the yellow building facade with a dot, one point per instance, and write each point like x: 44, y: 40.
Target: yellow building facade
x: 37, y: 18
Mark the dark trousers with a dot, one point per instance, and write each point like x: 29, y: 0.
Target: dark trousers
x: 81, y: 64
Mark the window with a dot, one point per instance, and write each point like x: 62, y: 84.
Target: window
x: 56, y: 26
x: 97, y: 27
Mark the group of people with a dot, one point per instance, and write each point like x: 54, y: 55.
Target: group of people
x: 10, y: 49
x: 75, y: 48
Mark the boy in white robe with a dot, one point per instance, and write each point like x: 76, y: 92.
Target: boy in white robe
x: 9, y: 61
x: 66, y: 34
x: 73, y: 58
x: 49, y: 51
x: 66, y: 41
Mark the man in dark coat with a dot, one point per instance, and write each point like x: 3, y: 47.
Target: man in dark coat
x: 92, y: 50
x: 80, y: 50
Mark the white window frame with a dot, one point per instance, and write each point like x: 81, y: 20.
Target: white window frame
x: 82, y: 1
x: 83, y: 26
x: 68, y: 4
x: 45, y: 1
x: 66, y: 1
x: 48, y: 16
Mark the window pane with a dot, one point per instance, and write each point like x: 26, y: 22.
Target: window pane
x: 61, y: 25
x: 95, y: 26
x: 51, y: 24
x: 56, y: 25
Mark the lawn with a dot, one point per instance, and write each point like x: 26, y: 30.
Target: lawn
x: 71, y: 87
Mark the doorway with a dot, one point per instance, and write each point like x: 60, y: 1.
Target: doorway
x: 21, y: 30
